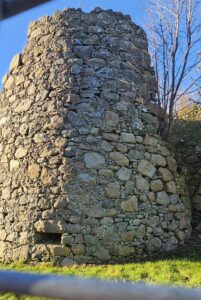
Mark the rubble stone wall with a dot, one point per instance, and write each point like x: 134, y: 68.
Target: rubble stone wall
x: 83, y: 176
x: 189, y: 157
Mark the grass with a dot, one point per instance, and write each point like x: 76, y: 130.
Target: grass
x: 175, y: 272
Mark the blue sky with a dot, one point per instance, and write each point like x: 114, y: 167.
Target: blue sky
x: 13, y: 30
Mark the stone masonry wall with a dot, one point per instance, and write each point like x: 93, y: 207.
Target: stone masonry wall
x: 83, y: 176
x: 189, y: 157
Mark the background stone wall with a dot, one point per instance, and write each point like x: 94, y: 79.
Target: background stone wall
x: 189, y: 157
x: 83, y: 174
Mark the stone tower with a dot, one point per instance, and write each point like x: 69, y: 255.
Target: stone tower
x: 83, y: 174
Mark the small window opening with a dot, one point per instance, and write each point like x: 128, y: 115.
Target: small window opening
x: 47, y: 238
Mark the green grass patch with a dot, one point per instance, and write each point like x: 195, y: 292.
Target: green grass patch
x: 175, y: 272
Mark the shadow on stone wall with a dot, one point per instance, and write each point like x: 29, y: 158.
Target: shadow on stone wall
x: 187, y: 147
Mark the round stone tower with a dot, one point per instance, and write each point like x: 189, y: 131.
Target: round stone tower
x: 83, y: 176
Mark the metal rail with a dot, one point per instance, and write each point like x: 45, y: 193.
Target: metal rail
x: 75, y: 288
x: 9, y: 8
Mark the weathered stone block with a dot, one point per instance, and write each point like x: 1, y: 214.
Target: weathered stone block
x: 171, y: 187
x: 158, y: 160
x: 149, y: 140
x: 78, y: 249
x: 153, y: 244
x: 127, y: 137
x: 111, y: 118
x: 50, y: 226
x: 162, y: 198
x: 165, y: 174
x: 125, y: 250
x: 128, y: 236
x: 58, y: 250
x: 33, y: 171
x: 119, y: 158
x: 112, y: 190
x: 16, y: 61
x: 156, y: 185
x: 130, y: 205
x: 21, y: 152
x: 94, y: 160
x: 146, y: 168
x: 124, y: 174
x: 172, y: 164
x: 111, y: 137
x: 142, y: 184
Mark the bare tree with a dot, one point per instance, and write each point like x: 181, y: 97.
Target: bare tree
x: 174, y: 32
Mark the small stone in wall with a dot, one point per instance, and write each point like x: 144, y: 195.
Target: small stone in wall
x: 151, y: 141
x: 128, y: 236
x: 122, y: 148
x: 14, y: 164
x: 83, y: 51
x: 127, y: 137
x: 156, y: 185
x: 23, y: 253
x: 112, y: 137
x: 172, y: 164
x: 86, y: 178
x: 58, y: 250
x: 146, y: 168
x: 23, y: 129
x: 158, y: 160
x: 119, y: 158
x: 6, y: 193
x: 9, y: 82
x: 3, y: 235
x: 75, y: 119
x: 94, y: 160
x: 151, y: 196
x: 56, y: 122
x: 70, y: 151
x: 171, y: 244
x: 163, y: 150
x: 180, y: 235
x: 23, y: 106
x: 165, y: 174
x: 172, y: 208
x: 102, y: 254
x: 153, y: 244
x: 111, y: 118
x: 124, y: 250
x: 171, y: 187
x: 124, y: 174
x: 46, y: 176
x: 16, y: 61
x: 130, y: 205
x: 31, y: 90
x: 106, y: 146
x: 129, y: 187
x: 112, y: 190
x: 33, y: 171
x: 140, y: 232
x: 106, y: 172
x: 142, y: 184
x: 48, y: 150
x: 162, y: 198
x: 50, y: 226
x: 21, y: 152
x: 40, y: 138
x: 78, y: 249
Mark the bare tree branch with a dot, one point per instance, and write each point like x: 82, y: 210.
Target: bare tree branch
x: 175, y: 40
